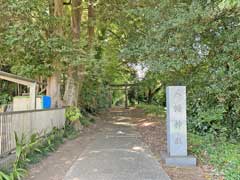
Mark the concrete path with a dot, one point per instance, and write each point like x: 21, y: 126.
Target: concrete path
x: 116, y: 153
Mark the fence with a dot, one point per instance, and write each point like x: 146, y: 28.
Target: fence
x: 27, y: 123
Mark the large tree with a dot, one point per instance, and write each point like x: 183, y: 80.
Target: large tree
x: 74, y: 72
x: 53, y: 82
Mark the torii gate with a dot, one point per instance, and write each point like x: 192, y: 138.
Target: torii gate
x: 32, y: 84
x: 125, y: 88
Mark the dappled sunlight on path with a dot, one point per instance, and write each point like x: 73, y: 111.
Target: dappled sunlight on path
x: 117, y: 153
x: 126, y: 145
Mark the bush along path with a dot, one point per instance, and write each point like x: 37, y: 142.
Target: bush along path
x: 32, y: 151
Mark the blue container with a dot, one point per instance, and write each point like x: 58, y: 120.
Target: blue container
x: 46, y: 102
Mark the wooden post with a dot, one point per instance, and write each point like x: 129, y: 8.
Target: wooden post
x: 137, y: 96
x: 126, y: 97
x: 110, y: 96
x: 33, y: 96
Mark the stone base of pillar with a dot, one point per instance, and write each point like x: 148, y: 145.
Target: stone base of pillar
x: 182, y: 161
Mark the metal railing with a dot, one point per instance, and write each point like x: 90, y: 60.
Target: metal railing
x: 27, y: 123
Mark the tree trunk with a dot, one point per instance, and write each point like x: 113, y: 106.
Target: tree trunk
x: 51, y: 12
x: 91, y: 19
x: 58, y: 12
x: 53, y: 87
x: 150, y: 96
x: 71, y: 88
x: 75, y: 73
x: 76, y: 19
x: 152, y: 93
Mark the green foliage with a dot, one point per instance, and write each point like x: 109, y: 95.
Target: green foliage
x: 28, y: 36
x: 219, y: 152
x: 152, y: 109
x: 95, y: 95
x: 4, y: 176
x: 21, y: 151
x: 224, y: 156
x: 210, y: 120
x: 70, y: 132
x: 186, y: 42
x: 33, y: 150
x: 192, y: 43
x: 85, y: 121
x: 73, y: 114
x: 4, y: 98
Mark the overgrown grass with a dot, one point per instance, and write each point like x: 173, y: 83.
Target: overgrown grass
x: 223, y: 155
x: 218, y: 152
x: 152, y: 109
x: 85, y: 121
x: 47, y: 144
x: 33, y: 151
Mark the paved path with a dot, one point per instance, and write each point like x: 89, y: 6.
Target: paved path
x: 116, y: 153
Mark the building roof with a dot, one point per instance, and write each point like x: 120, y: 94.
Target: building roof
x: 16, y: 78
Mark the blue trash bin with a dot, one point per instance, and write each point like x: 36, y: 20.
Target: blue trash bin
x: 46, y: 102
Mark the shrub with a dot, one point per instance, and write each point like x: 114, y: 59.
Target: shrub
x: 73, y: 113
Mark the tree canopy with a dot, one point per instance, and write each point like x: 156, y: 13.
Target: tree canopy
x: 85, y: 45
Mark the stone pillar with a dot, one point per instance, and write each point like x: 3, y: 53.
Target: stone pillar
x: 177, y: 128
x: 33, y: 95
